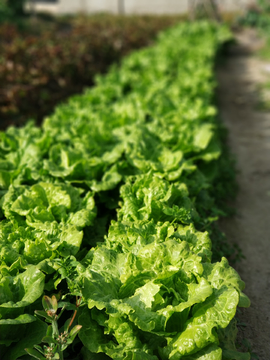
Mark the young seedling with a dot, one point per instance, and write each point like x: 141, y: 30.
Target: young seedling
x: 57, y: 342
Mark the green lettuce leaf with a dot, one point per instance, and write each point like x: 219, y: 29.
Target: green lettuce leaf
x: 20, y: 291
x: 148, y: 197
x: 216, y: 312
x: 12, y: 330
x: 33, y: 335
x: 222, y: 274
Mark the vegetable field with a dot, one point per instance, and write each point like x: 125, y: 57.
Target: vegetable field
x: 106, y: 207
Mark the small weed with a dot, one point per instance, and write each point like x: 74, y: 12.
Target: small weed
x: 247, y: 345
x: 264, y: 96
x: 57, y: 340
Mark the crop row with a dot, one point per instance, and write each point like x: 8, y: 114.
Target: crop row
x: 108, y: 201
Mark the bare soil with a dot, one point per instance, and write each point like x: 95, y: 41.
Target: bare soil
x: 249, y: 140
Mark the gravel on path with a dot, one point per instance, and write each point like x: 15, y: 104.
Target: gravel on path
x: 249, y: 140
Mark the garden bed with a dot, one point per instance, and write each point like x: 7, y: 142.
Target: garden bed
x: 110, y: 206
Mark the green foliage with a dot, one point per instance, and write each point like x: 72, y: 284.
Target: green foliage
x: 110, y: 201
x: 257, y: 15
x: 11, y: 11
x: 16, y: 6
x: 6, y: 13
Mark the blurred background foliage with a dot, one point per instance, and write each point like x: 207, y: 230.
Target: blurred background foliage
x: 257, y: 15
x: 43, y: 59
x: 11, y: 10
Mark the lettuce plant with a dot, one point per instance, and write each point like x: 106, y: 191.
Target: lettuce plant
x: 17, y: 293
x: 111, y: 200
x: 151, y: 288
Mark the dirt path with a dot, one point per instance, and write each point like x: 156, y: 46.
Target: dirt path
x: 249, y: 140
